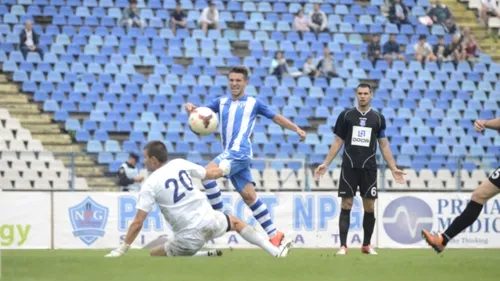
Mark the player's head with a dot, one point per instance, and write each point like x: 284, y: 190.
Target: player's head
x: 238, y: 80
x: 364, y: 94
x: 155, y: 155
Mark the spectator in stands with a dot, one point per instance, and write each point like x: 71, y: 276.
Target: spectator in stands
x: 131, y: 15
x: 279, y: 66
x: 439, y: 50
x: 391, y: 50
x: 454, y: 51
x: 309, y: 69
x: 374, y: 51
x: 29, y: 40
x: 128, y: 175
x: 398, y: 13
x: 178, y: 18
x: 301, y: 24
x: 326, y: 65
x: 423, y: 51
x: 489, y: 8
x: 209, y: 18
x: 471, y: 47
x: 318, y: 20
x: 440, y: 14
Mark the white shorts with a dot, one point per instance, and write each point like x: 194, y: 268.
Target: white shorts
x: 189, y: 242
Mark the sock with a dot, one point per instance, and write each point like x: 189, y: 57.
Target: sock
x: 261, y: 214
x: 466, y: 218
x: 252, y: 236
x: 213, y: 194
x: 344, y: 223
x: 368, y: 226
x: 201, y: 254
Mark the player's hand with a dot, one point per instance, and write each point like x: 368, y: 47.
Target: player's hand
x: 301, y: 134
x: 139, y: 179
x: 479, y: 125
x: 120, y: 251
x: 397, y: 174
x: 320, y: 171
x: 189, y: 107
x: 114, y: 254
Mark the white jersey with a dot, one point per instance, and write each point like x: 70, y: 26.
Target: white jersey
x: 183, y: 205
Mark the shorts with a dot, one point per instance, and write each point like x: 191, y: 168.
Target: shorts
x: 189, y: 242
x: 351, y: 178
x: 240, y: 174
x: 495, y: 177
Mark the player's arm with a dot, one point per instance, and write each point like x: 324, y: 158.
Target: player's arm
x: 383, y: 143
x: 493, y: 124
x: 387, y: 153
x: 145, y: 204
x: 341, y: 129
x: 213, y: 105
x: 334, y: 150
x: 279, y: 119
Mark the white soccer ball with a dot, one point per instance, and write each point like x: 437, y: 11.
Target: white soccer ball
x: 203, y: 121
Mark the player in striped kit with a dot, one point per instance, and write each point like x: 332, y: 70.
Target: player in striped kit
x: 237, y: 115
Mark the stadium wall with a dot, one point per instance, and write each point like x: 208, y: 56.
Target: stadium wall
x: 94, y: 220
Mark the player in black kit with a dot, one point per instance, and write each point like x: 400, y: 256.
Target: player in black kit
x: 359, y: 129
x: 487, y: 190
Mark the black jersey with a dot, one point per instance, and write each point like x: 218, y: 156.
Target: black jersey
x: 360, y: 132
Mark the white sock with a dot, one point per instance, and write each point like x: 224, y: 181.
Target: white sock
x: 252, y: 236
x: 201, y: 254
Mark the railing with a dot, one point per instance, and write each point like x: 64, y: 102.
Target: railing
x: 300, y: 166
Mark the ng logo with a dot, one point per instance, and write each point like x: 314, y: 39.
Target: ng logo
x: 405, y: 217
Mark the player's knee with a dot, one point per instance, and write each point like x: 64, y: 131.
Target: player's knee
x: 248, y: 194
x: 236, y: 224
x: 347, y: 203
x: 369, y: 205
x: 480, y: 196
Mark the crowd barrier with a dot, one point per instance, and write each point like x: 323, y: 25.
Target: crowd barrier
x: 95, y: 220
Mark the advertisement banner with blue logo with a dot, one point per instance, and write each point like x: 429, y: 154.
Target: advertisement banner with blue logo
x: 402, y: 217
x: 100, y: 220
x: 25, y: 220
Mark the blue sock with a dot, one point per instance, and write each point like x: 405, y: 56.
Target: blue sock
x: 213, y: 194
x: 261, y: 214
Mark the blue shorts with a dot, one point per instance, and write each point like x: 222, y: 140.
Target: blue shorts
x: 240, y: 174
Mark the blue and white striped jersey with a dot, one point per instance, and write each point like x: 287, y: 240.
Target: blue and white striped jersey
x: 237, y: 120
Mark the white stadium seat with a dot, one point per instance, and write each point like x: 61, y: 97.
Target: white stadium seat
x: 12, y: 124
x: 23, y: 134
x: 9, y: 155
x: 81, y: 184
x: 19, y: 165
x: 27, y: 156
x: 30, y: 175
x: 6, y: 134
x: 35, y: 145
x: 17, y: 145
x: 42, y: 184
x: 46, y: 156
x: 38, y: 165
x: 4, y: 114
x: 23, y: 184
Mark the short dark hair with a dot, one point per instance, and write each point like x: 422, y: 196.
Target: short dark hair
x: 422, y: 37
x: 135, y: 156
x: 364, y: 85
x: 241, y: 70
x: 158, y: 150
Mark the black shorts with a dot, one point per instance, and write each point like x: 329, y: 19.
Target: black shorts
x: 495, y: 177
x: 351, y: 178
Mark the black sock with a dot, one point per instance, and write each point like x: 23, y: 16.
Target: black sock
x: 368, y: 226
x: 344, y: 223
x: 466, y: 218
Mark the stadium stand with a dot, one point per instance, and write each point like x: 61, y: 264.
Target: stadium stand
x: 116, y: 88
x: 25, y: 165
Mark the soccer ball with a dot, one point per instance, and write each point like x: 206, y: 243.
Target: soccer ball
x: 203, y: 121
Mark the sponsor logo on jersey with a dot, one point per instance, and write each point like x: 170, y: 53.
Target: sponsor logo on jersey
x: 361, y: 136
x: 362, y: 122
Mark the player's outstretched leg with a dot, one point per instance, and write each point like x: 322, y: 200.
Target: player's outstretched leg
x: 483, y: 193
x: 261, y: 214
x: 252, y: 236
x: 213, y: 191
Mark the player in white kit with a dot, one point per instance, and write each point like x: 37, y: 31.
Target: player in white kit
x: 186, y: 208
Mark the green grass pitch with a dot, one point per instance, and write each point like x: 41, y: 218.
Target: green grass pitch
x: 253, y: 265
